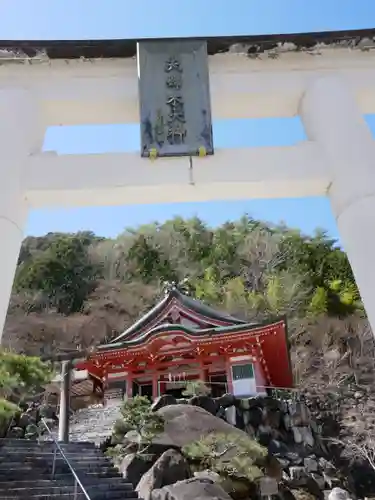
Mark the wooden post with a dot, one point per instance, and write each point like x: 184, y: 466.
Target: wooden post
x: 229, y: 376
x: 63, y: 435
x: 155, y: 385
x: 202, y: 371
x: 129, y: 385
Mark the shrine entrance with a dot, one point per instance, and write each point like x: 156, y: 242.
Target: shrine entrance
x: 176, y: 390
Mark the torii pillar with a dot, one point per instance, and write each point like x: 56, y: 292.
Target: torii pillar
x: 20, y: 136
x: 332, y: 118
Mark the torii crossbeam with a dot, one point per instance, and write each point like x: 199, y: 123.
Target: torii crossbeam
x: 330, y: 87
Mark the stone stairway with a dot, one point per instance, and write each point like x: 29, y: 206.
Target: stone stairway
x: 94, y: 424
x: 26, y: 472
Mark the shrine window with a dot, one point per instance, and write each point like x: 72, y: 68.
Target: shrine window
x: 241, y: 372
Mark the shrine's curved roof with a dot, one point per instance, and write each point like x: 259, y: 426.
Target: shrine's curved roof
x: 193, y: 304
x: 252, y: 45
x: 168, y: 328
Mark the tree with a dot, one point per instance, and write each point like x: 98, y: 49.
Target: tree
x: 62, y: 272
x: 228, y: 455
x: 20, y: 375
x: 138, y: 424
x: 196, y: 388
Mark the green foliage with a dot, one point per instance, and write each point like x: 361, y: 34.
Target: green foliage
x: 196, y: 388
x: 20, y: 375
x: 139, y: 424
x: 246, y: 266
x: 62, y: 271
x: 228, y: 455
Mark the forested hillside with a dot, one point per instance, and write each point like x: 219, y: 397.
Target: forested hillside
x: 76, y: 290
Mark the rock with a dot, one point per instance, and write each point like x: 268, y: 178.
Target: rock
x: 240, y: 423
x: 331, y: 481
x: 205, y: 402
x: 319, y: 480
x: 255, y: 416
x: 277, y: 448
x: 165, y: 400
x: 297, y: 435
x: 16, y: 433
x: 294, y: 457
x: 338, y: 494
x: 311, y: 465
x: 25, y: 420
x: 315, y: 488
x: 208, y: 474
x: 134, y: 466
x: 226, y: 400
x: 300, y: 494
x: 274, y: 468
x: 256, y: 402
x: 168, y: 469
x: 271, y: 403
x: 246, y: 418
x: 307, y: 437
x: 287, y: 421
x: 285, y: 493
x: 237, y: 489
x: 185, y: 423
x: 249, y: 429
x: 244, y: 404
x: 191, y: 489
x: 268, y: 486
x: 264, y: 435
x: 297, y: 473
x: 272, y: 418
x: 230, y: 415
x: 326, y: 465
x: 299, y: 413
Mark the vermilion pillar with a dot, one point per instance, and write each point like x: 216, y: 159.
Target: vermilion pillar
x: 129, y: 385
x: 155, y: 385
x: 228, y: 369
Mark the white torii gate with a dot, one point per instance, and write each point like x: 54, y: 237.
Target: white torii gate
x: 330, y: 93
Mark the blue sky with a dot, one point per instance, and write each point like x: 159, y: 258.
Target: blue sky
x: 43, y: 19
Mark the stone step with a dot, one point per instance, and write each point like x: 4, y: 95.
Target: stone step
x: 68, y: 480
x: 27, y: 442
x: 45, y: 445
x: 62, y: 490
x: 21, y: 455
x: 68, y: 496
x: 88, y: 477
x: 43, y: 463
x: 43, y: 472
x: 43, y: 459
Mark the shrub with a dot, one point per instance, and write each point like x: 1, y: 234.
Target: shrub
x: 196, y: 388
x: 229, y: 455
x: 138, y: 424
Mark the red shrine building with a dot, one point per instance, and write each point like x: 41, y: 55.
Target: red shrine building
x: 182, y: 339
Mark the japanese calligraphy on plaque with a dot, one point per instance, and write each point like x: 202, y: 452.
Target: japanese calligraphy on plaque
x: 174, y: 98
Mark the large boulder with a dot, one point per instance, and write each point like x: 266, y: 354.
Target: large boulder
x: 133, y: 466
x: 338, y: 494
x: 168, y: 469
x: 164, y: 400
x: 191, y: 489
x: 226, y: 400
x: 205, y: 402
x: 187, y: 423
